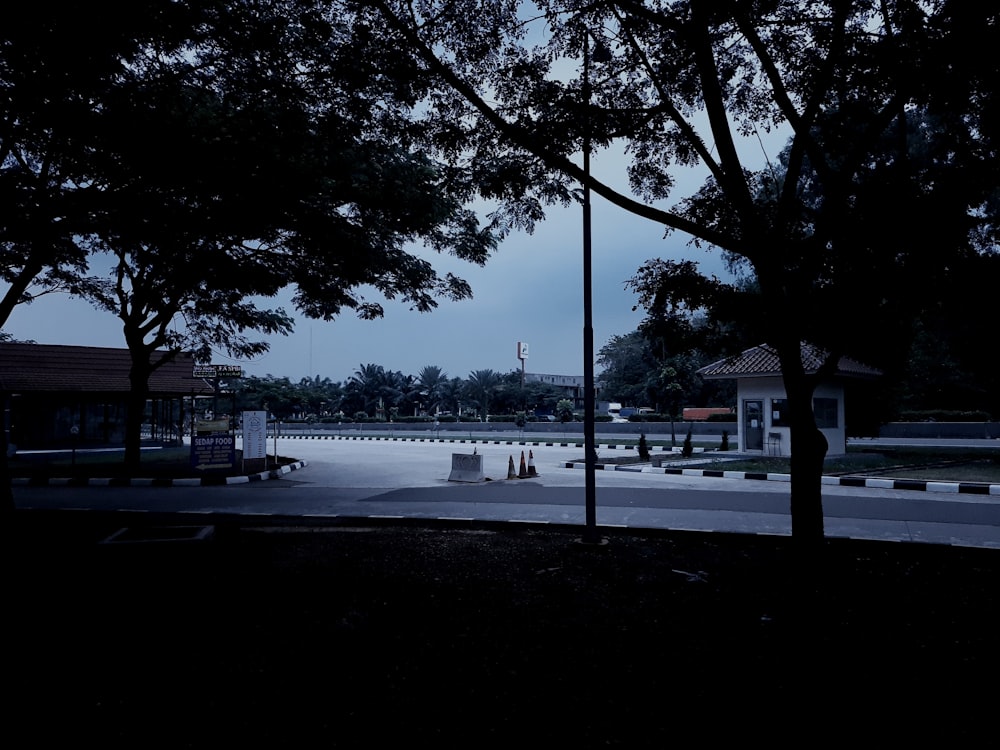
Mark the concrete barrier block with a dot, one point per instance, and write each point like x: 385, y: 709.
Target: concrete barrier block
x: 466, y: 467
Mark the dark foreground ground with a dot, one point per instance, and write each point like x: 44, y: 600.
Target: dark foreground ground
x: 410, y: 635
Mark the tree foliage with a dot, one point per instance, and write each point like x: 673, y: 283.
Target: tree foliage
x: 431, y: 382
x: 218, y: 152
x: 643, y: 369
x: 481, y: 389
x: 867, y: 210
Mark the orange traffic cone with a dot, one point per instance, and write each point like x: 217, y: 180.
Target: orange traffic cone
x: 510, y: 469
x: 531, y: 465
x: 523, y: 473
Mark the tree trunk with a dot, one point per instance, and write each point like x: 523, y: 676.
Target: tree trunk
x: 135, y: 407
x: 809, y: 447
x: 5, y: 483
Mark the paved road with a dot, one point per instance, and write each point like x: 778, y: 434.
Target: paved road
x: 410, y: 479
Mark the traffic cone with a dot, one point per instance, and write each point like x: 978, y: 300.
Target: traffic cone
x: 523, y: 473
x: 531, y: 465
x: 510, y: 469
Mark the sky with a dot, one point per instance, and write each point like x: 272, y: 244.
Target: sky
x: 530, y: 291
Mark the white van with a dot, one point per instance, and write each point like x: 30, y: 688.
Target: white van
x: 613, y: 410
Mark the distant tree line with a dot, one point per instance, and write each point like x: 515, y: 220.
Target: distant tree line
x: 376, y: 393
x: 637, y: 370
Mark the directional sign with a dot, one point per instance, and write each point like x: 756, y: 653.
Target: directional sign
x: 213, y: 452
x: 217, y: 371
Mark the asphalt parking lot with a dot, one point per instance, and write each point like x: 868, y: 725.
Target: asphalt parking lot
x: 409, y: 476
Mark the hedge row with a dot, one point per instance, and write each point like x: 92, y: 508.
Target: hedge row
x: 944, y: 415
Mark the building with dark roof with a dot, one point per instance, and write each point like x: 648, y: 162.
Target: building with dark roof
x: 762, y: 405
x: 57, y: 396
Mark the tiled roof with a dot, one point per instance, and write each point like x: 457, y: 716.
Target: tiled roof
x: 762, y: 361
x: 30, y: 368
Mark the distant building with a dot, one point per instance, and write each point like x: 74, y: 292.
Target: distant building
x: 570, y: 385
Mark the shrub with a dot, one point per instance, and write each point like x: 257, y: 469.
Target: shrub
x: 944, y: 415
x: 731, y: 417
x: 648, y: 417
x: 725, y: 441
x: 564, y: 409
x: 643, y: 448
x: 688, y: 450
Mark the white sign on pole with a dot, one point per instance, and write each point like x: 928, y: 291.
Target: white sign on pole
x: 522, y: 350
x: 254, y: 434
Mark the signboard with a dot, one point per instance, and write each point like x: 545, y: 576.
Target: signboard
x: 211, y: 426
x: 254, y: 434
x: 522, y: 350
x: 213, y: 452
x: 217, y: 371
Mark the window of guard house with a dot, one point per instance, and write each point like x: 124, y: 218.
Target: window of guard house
x: 779, y: 412
x: 825, y: 410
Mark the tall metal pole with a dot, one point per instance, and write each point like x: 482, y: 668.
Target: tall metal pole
x: 590, y: 534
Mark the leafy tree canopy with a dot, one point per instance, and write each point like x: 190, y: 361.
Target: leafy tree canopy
x: 249, y: 146
x: 866, y: 201
x: 217, y: 153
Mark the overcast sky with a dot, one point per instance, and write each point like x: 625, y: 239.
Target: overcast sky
x: 530, y: 291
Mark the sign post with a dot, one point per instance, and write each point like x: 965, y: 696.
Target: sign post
x: 522, y: 354
x: 216, y: 373
x: 213, y: 451
x: 254, y: 435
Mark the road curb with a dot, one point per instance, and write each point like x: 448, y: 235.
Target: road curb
x: 156, y: 481
x: 879, y: 483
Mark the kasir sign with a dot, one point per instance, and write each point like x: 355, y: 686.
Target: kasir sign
x: 217, y: 371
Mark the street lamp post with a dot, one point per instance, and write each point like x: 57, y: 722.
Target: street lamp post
x: 590, y: 535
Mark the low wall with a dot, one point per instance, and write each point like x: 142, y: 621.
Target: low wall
x: 531, y: 428
x: 929, y: 430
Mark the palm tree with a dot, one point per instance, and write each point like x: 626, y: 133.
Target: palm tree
x: 392, y: 386
x: 322, y: 395
x: 452, y: 392
x: 481, y: 386
x: 432, y: 382
x: 366, y: 384
x: 410, y: 397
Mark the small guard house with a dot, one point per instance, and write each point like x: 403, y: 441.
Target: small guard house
x: 55, y: 396
x: 762, y: 407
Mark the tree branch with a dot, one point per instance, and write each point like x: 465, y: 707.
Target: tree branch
x: 524, y: 139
